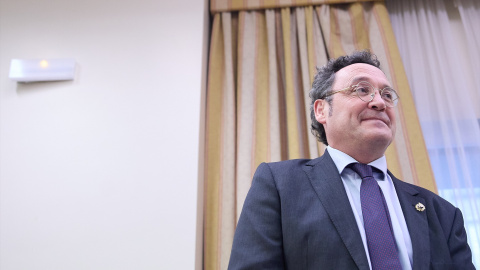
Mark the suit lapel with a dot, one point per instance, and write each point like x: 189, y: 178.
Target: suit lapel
x: 416, y: 222
x: 328, y: 185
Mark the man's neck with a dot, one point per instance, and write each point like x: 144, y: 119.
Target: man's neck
x: 362, y: 154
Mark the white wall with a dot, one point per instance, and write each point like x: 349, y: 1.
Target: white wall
x: 101, y: 172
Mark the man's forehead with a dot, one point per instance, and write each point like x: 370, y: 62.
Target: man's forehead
x: 360, y: 72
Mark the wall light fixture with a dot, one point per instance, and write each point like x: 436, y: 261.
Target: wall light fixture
x: 37, y: 70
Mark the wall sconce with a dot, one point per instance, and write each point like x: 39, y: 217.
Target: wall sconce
x: 25, y: 70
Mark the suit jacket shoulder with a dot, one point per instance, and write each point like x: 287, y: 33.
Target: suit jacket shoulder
x: 297, y: 216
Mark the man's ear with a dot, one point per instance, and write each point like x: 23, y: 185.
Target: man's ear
x: 320, y: 109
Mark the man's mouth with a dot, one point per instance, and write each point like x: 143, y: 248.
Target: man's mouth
x: 385, y: 120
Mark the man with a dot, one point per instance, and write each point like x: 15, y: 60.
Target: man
x: 345, y: 210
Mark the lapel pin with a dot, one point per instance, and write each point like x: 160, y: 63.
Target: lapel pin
x: 420, y: 207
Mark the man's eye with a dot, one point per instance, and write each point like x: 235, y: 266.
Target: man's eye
x: 387, y: 95
x: 361, y: 90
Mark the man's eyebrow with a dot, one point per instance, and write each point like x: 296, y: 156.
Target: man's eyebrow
x: 366, y: 79
x: 359, y: 79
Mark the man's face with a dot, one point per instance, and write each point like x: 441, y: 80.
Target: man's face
x: 353, y: 124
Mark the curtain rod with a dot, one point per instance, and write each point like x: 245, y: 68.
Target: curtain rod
x: 243, y: 5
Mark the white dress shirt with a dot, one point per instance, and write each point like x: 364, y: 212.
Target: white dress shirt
x: 352, y: 183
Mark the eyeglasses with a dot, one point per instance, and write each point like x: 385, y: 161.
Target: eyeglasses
x: 366, y: 92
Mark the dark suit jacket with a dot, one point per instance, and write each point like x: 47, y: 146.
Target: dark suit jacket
x: 297, y: 216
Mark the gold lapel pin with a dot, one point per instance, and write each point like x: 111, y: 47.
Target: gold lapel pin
x: 420, y: 207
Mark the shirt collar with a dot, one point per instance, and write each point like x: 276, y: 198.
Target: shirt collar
x: 342, y: 160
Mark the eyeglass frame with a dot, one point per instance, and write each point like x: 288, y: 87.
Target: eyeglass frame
x: 372, y: 96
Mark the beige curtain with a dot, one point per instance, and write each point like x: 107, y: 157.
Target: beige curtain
x: 261, y: 67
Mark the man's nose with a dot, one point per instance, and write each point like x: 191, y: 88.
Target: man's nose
x: 377, y: 103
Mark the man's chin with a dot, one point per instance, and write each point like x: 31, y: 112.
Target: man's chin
x: 381, y: 138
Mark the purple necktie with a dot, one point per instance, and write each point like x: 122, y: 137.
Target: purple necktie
x: 376, y: 219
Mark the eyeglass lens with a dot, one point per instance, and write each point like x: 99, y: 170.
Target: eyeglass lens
x: 366, y: 92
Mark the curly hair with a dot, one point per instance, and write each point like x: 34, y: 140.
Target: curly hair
x: 323, y: 81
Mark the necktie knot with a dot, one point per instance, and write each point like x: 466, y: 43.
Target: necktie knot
x: 363, y: 170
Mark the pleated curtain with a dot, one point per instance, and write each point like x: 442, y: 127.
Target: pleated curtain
x: 261, y: 66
